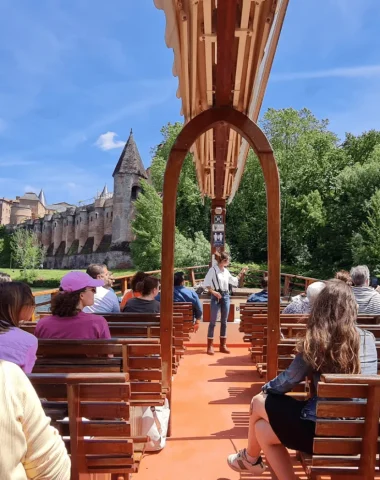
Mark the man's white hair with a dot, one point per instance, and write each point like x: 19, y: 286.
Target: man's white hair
x: 360, y: 275
x: 313, y: 290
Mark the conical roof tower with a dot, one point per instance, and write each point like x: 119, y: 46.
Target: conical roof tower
x: 130, y: 161
x: 42, y: 198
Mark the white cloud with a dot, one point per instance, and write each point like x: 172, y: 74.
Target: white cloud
x: 107, y: 141
x: 367, y: 71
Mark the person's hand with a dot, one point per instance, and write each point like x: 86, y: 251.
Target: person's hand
x: 378, y: 289
x: 243, y: 271
x: 217, y: 295
x: 196, y: 326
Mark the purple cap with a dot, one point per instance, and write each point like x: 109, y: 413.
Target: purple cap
x: 74, y: 281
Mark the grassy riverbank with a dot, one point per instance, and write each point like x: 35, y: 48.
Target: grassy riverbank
x: 51, y: 278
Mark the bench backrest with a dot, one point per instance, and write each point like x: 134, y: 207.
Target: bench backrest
x: 347, y: 441
x: 141, y: 360
x: 96, y: 446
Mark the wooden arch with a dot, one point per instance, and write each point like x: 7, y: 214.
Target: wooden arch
x: 260, y: 144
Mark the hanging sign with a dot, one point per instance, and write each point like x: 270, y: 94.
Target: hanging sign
x: 217, y: 227
x: 218, y: 218
x: 218, y: 239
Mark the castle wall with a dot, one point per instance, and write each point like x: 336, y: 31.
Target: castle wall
x: 69, y: 231
x: 47, y: 231
x: 37, y: 228
x: 57, y: 222
x: 83, y: 228
x: 108, y: 217
x: 99, y: 227
x: 113, y: 259
x: 121, y: 204
x: 5, y: 212
x: 20, y: 214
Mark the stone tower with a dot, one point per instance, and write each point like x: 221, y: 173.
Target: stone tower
x: 127, y: 175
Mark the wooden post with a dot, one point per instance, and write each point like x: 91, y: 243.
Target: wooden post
x: 256, y: 138
x: 371, y: 426
x: 192, y: 277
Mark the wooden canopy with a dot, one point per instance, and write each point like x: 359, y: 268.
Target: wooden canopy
x: 222, y: 60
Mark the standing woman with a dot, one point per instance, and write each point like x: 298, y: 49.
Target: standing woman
x: 217, y: 280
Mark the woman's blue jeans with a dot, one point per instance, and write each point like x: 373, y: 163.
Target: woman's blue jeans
x: 224, y: 306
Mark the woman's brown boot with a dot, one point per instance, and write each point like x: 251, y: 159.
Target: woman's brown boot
x: 210, y: 348
x: 223, y: 348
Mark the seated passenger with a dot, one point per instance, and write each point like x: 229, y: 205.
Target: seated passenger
x: 366, y: 297
x: 262, y: 296
x: 149, y: 288
x: 183, y: 294
x: 68, y: 321
x: 303, y: 305
x: 17, y: 305
x: 4, y: 277
x: 105, y: 299
x: 345, y: 276
x: 138, y: 277
x: 332, y: 344
x: 30, y: 446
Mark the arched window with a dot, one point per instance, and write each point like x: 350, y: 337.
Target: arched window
x: 96, y: 215
x: 90, y: 219
x: 135, y: 192
x: 107, y: 214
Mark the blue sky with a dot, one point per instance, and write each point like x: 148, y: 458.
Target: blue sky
x: 77, y: 75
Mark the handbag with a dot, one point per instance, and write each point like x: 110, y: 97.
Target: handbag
x: 155, y: 421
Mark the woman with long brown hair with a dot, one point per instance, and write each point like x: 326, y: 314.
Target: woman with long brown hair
x: 17, y: 305
x: 217, y: 280
x: 332, y: 344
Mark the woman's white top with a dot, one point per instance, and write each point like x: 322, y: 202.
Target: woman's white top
x: 30, y: 446
x: 215, y: 275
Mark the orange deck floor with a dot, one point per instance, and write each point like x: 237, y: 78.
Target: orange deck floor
x: 211, y: 397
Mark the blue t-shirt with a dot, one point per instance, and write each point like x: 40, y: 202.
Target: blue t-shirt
x: 183, y: 294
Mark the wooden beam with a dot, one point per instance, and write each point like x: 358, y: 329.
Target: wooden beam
x: 225, y: 33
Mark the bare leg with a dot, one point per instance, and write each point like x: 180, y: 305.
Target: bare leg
x: 257, y: 412
x: 276, y: 454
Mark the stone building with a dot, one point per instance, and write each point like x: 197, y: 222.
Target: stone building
x: 75, y: 236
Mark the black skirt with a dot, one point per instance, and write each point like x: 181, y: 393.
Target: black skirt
x: 284, y: 415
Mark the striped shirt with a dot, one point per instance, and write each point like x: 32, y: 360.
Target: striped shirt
x: 368, y: 300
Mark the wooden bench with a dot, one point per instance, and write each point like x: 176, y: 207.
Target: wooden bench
x: 286, y: 351
x: 186, y: 309
x: 347, y: 429
x: 255, y: 325
x: 96, y: 446
x: 142, y: 361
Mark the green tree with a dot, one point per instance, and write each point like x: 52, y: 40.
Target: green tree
x: 27, y: 252
x: 146, y: 248
x: 5, y: 247
x: 365, y: 243
x: 193, y: 211
x: 147, y: 226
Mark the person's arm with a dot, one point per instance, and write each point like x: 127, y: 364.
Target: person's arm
x: 46, y: 457
x: 234, y: 281
x: 287, y: 380
x: 30, y: 358
x: 197, y: 307
x: 115, y: 303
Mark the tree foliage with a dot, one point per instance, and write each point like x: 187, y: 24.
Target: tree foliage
x: 147, y: 226
x: 5, y: 247
x: 27, y: 252
x: 325, y: 190
x: 329, y: 197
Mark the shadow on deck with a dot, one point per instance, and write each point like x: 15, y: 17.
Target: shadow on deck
x: 211, y: 397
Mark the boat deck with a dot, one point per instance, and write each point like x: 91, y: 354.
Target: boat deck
x: 211, y: 397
